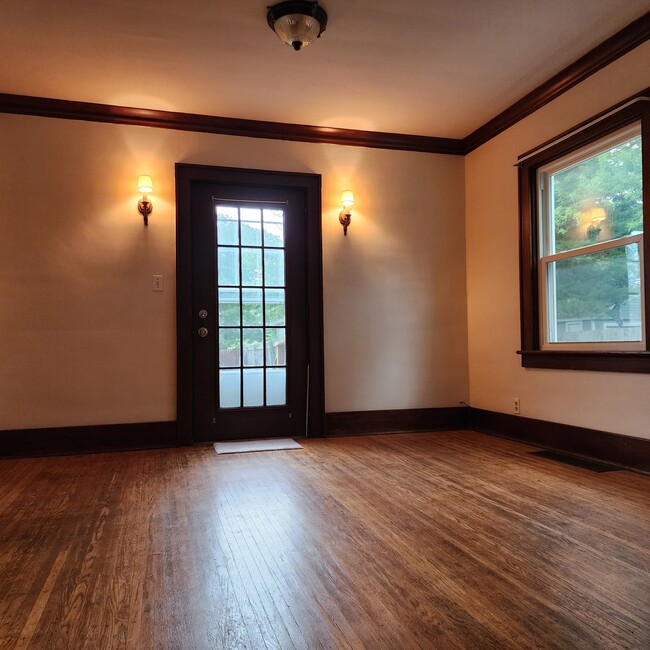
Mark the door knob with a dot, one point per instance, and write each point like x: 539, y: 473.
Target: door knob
x: 203, y: 313
x: 203, y: 332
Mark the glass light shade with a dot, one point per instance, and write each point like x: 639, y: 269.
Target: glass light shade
x: 297, y: 28
x: 347, y: 199
x: 145, y: 185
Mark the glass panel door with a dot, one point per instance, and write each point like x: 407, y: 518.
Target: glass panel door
x: 252, y: 241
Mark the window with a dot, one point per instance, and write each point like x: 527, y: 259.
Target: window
x: 584, y: 284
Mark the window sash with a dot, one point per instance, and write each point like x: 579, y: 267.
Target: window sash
x: 546, y: 243
x: 548, y: 299
x: 545, y: 197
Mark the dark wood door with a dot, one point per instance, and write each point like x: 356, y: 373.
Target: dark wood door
x: 249, y: 311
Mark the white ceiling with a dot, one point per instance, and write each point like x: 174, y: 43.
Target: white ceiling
x: 428, y: 67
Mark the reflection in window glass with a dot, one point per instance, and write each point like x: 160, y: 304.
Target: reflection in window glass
x: 599, y: 198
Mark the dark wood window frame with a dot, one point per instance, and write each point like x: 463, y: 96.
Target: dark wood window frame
x: 532, y: 355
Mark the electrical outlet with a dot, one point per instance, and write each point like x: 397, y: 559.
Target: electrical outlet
x: 517, y: 406
x: 157, y: 283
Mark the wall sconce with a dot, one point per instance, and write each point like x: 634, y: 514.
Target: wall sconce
x: 596, y: 216
x: 144, y: 204
x: 345, y: 216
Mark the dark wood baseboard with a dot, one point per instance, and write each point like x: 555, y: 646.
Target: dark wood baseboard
x: 354, y: 423
x: 87, y: 439
x: 624, y: 451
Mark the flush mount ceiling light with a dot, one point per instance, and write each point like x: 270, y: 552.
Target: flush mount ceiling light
x: 297, y: 22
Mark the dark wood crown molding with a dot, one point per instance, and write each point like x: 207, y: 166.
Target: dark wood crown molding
x: 70, y: 110
x: 602, y: 55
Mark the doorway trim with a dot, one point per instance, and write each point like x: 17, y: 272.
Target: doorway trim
x: 186, y: 177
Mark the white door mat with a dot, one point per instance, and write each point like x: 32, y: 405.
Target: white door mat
x: 244, y: 446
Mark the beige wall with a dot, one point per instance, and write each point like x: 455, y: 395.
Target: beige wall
x: 615, y: 402
x: 84, y: 340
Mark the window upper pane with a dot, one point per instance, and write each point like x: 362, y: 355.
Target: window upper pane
x: 594, y: 197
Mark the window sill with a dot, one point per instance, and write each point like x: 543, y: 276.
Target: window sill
x: 636, y: 361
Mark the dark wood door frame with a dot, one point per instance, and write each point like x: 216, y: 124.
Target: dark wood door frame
x: 186, y: 177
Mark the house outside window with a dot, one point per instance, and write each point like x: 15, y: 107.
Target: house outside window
x: 584, y: 210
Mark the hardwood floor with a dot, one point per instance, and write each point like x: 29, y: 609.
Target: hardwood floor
x: 442, y: 540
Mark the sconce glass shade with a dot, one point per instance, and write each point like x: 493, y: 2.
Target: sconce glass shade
x: 145, y: 185
x: 347, y: 199
x: 297, y: 22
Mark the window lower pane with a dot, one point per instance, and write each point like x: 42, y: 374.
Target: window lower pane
x: 276, y: 386
x: 254, y: 387
x: 595, y: 297
x: 229, y: 389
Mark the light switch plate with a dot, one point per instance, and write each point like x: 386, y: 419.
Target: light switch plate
x: 157, y: 284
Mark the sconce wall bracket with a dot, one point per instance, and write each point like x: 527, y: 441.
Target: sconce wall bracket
x: 345, y: 218
x: 145, y: 208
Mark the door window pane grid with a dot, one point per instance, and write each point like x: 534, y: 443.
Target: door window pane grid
x: 251, y: 290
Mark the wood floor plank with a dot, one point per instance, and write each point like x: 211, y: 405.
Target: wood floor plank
x: 429, y: 540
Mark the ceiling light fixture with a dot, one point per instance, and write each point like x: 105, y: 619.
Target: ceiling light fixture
x: 297, y: 22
